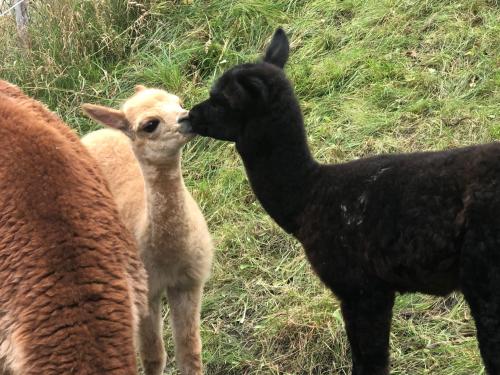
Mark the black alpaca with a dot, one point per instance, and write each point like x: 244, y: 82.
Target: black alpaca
x: 427, y: 222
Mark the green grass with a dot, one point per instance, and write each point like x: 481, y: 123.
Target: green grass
x: 372, y: 76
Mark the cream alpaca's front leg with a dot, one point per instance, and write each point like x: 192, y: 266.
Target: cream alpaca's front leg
x: 152, y: 350
x: 185, y: 317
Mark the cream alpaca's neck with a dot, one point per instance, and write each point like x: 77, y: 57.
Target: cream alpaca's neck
x: 164, y: 189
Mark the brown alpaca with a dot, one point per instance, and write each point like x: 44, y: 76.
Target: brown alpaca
x: 72, y: 285
x: 143, y: 165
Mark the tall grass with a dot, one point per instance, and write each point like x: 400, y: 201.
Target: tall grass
x: 372, y: 76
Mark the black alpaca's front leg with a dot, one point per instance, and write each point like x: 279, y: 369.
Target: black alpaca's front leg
x: 367, y: 316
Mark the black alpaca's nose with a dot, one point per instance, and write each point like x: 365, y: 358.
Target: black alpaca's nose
x: 185, y: 124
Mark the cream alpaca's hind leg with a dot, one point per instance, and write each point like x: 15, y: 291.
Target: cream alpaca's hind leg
x: 152, y: 350
x: 185, y: 317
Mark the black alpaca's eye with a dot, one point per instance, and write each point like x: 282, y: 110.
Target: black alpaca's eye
x: 150, y: 126
x: 219, y: 100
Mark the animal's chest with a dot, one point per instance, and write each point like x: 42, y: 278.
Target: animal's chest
x: 165, y: 263
x: 163, y: 247
x: 175, y: 257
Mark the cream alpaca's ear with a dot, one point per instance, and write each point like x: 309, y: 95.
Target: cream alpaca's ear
x: 139, y: 88
x: 107, y: 116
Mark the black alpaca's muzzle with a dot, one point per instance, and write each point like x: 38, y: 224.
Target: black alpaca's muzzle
x: 185, y: 125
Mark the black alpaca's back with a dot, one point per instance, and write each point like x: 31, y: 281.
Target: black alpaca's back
x: 399, y: 219
x: 427, y: 222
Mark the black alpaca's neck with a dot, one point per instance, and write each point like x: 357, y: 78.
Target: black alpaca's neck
x: 279, y: 165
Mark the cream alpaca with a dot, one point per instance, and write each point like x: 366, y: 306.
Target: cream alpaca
x: 142, y: 163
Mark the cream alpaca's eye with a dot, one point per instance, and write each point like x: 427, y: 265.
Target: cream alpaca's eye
x: 150, y: 126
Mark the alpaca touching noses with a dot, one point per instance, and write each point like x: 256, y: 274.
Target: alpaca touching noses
x: 241, y: 95
x: 401, y: 223
x: 185, y: 125
x: 141, y: 158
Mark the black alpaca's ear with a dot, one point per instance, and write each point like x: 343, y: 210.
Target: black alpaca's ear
x: 255, y: 87
x: 277, y: 52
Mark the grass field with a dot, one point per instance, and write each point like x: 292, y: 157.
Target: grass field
x: 373, y: 76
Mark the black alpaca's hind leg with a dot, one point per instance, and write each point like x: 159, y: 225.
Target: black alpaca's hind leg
x: 488, y: 327
x: 367, y: 317
x: 481, y: 289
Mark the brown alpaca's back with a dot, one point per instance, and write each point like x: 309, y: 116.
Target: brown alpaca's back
x: 71, y: 282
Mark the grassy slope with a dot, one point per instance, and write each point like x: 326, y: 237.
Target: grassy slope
x: 373, y: 76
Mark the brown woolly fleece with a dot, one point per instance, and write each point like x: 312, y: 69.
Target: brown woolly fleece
x: 72, y: 285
